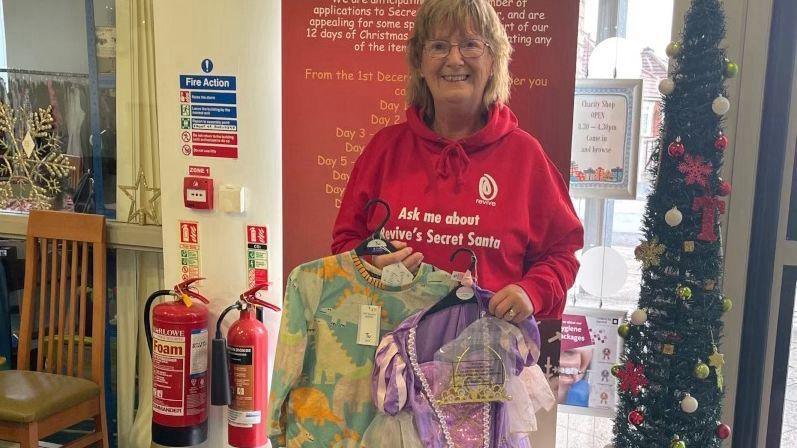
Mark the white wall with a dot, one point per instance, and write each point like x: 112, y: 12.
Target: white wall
x: 242, y: 37
x: 46, y: 35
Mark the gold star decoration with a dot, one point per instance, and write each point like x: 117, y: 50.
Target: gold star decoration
x: 717, y: 360
x: 649, y: 253
x: 146, y: 214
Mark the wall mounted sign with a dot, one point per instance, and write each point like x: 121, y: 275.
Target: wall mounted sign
x: 606, y: 118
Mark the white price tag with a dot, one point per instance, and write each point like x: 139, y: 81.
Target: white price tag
x: 464, y: 292
x: 396, y: 274
x: 368, y: 325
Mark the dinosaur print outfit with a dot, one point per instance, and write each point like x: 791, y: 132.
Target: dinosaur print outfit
x: 321, y: 386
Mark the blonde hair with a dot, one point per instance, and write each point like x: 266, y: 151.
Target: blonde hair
x: 472, y: 15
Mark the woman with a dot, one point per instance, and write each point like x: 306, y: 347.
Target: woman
x: 459, y: 171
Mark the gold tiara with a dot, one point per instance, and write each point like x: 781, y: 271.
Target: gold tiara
x: 474, y: 388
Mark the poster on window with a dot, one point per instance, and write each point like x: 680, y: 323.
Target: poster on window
x: 590, y: 346
x: 606, y: 117
x: 344, y: 79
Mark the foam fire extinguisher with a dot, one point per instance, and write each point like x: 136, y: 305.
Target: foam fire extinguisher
x: 240, y: 371
x: 178, y: 344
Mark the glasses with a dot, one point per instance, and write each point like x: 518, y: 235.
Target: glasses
x: 470, y: 48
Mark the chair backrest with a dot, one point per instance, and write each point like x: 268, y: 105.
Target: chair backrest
x: 59, y: 285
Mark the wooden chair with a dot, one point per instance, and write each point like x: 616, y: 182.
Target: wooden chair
x: 63, y: 390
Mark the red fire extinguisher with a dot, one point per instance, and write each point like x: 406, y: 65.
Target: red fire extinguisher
x: 240, y: 371
x: 178, y: 344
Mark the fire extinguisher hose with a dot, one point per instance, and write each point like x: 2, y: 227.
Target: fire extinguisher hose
x: 235, y: 306
x: 147, y: 308
x: 220, y: 394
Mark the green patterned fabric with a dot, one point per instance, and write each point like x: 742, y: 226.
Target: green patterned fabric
x: 321, y: 387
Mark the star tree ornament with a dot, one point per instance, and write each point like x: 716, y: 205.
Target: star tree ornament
x: 146, y: 213
x: 717, y: 360
x: 649, y: 253
x: 695, y: 170
x: 632, y: 378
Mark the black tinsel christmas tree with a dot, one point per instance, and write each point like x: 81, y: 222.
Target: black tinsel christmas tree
x: 670, y: 376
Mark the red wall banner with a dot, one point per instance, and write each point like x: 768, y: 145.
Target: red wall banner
x: 344, y: 75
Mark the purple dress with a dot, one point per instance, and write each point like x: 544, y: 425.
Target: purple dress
x: 405, y: 378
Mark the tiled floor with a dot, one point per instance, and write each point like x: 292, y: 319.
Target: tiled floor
x: 581, y: 431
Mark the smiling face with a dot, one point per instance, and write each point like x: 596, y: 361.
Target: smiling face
x: 456, y: 83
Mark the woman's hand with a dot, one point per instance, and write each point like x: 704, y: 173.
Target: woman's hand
x: 404, y: 255
x: 511, y: 304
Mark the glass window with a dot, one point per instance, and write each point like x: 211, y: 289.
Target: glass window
x: 615, y: 225
x: 57, y: 73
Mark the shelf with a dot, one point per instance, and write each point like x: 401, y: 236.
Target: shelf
x: 121, y: 235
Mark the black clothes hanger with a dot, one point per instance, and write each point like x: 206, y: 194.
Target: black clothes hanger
x: 375, y: 244
x: 451, y: 298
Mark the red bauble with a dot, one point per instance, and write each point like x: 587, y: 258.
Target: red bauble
x: 723, y: 431
x: 676, y: 148
x: 636, y: 417
x: 721, y: 142
x: 724, y: 189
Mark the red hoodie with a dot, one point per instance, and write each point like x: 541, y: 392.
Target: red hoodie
x: 495, y: 192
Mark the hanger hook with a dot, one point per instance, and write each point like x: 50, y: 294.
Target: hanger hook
x: 370, y: 204
x: 473, y: 259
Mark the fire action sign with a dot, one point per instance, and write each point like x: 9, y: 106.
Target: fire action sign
x: 208, y: 114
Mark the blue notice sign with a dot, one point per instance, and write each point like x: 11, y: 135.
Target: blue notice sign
x: 213, y: 97
x: 214, y: 111
x: 194, y: 82
x: 207, y: 66
x: 204, y: 124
